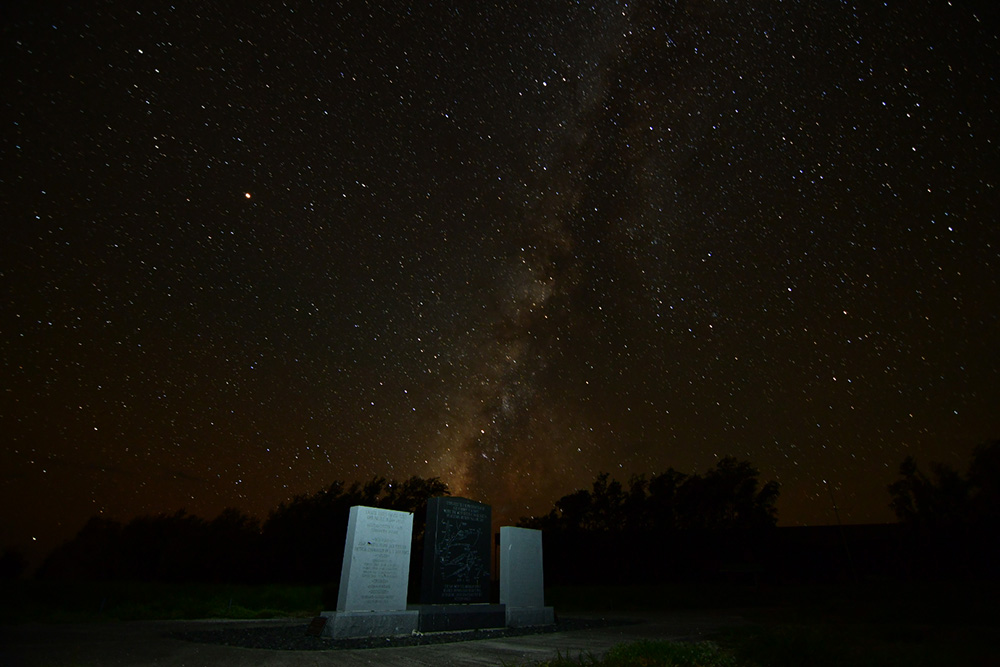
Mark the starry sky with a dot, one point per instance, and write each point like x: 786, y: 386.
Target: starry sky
x: 253, y: 248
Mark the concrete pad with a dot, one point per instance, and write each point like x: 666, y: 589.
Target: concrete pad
x: 526, y: 617
x: 348, y: 624
x: 452, y: 617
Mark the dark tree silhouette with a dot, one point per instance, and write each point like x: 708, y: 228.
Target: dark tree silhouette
x: 951, y: 522
x: 727, y: 497
x: 573, y: 511
x: 413, y: 494
x: 301, y: 541
x: 607, y: 505
x: 662, y: 503
x: 95, y: 553
x: 984, y: 485
x: 233, y: 548
x: 947, y: 498
x: 164, y: 548
x: 939, y: 500
x: 304, y: 539
x: 658, y: 527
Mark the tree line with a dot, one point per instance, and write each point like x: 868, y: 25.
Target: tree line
x: 727, y: 497
x: 950, y: 520
x: 669, y: 526
x: 665, y: 526
x: 945, y: 499
x: 301, y: 541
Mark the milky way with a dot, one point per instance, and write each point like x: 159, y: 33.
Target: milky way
x: 252, y: 251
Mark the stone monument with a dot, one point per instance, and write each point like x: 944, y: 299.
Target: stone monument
x: 522, y: 588
x: 455, y: 589
x: 373, y: 580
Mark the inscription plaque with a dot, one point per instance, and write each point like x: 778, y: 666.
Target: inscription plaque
x: 376, y: 560
x: 456, y: 552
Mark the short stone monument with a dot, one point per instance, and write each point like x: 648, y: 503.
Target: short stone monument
x: 522, y: 587
x: 455, y: 589
x: 373, y: 580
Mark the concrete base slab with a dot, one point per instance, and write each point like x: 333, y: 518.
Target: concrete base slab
x: 523, y: 617
x: 452, y: 617
x: 345, y: 624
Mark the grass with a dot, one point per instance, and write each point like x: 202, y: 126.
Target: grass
x: 819, y: 626
x: 877, y: 623
x: 872, y: 625
x: 59, y: 602
x: 656, y: 597
x: 860, y: 645
x: 655, y: 654
x: 806, y: 645
x: 669, y: 654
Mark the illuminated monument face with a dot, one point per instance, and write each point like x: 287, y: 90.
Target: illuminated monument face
x: 456, y: 552
x: 373, y: 579
x: 522, y: 589
x: 376, y: 560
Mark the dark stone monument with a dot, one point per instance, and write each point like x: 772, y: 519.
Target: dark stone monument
x: 456, y: 552
x: 455, y: 589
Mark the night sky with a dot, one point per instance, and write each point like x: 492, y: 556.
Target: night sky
x: 254, y: 248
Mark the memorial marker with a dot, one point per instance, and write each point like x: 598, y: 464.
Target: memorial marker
x: 455, y: 588
x: 522, y: 587
x: 373, y: 579
x: 456, y: 552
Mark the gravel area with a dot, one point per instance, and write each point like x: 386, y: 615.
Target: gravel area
x: 295, y: 637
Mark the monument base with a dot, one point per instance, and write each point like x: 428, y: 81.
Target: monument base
x: 522, y: 617
x: 348, y: 624
x: 452, y: 617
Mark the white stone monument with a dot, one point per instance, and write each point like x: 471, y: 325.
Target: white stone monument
x: 374, y: 577
x: 521, y: 581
